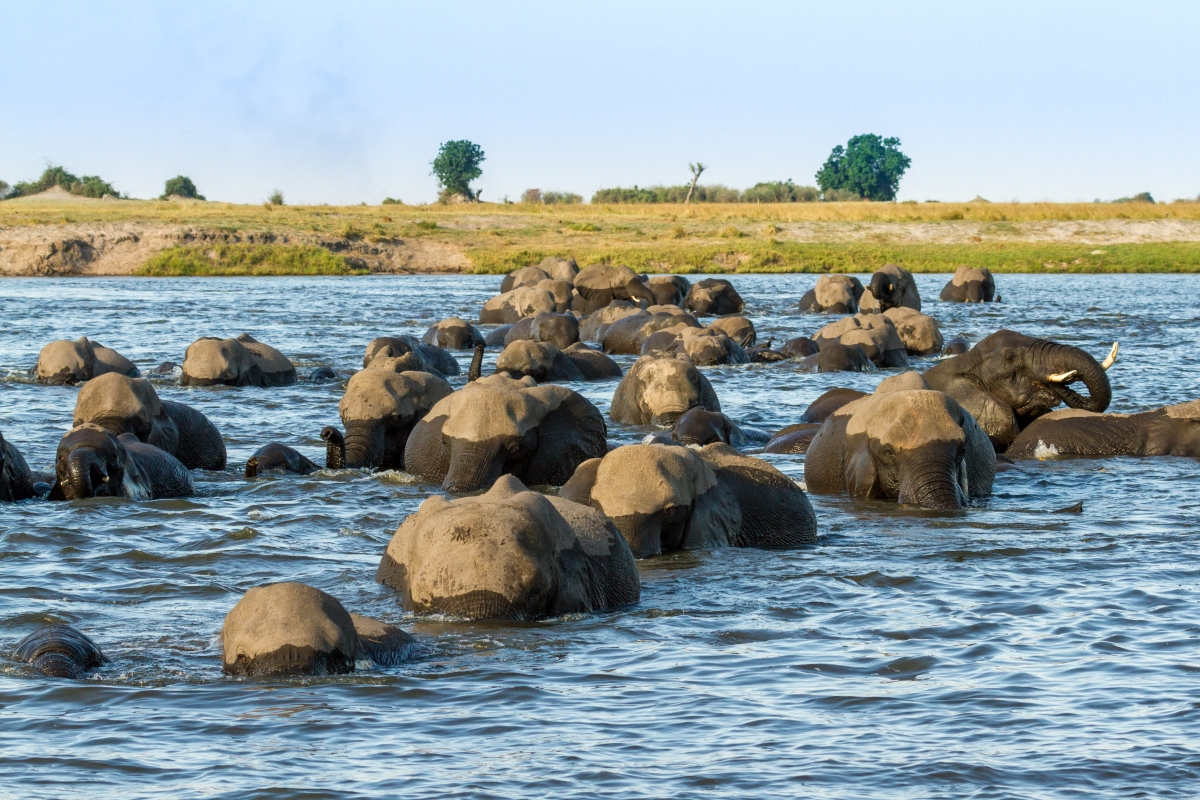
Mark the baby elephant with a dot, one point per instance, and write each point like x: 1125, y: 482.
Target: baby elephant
x: 294, y: 629
x: 276, y: 457
x: 59, y: 651
x: 913, y: 446
x: 91, y: 462
x: 1170, y: 431
x: 509, y: 554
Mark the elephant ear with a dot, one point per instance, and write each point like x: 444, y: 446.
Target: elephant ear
x: 862, y: 480
x: 425, y: 453
x: 996, y: 420
x: 579, y: 488
x: 980, y: 459
x: 824, y: 464
x: 571, y: 432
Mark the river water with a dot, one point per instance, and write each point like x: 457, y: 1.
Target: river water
x: 1002, y: 651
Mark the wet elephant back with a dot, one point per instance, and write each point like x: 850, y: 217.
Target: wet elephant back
x: 200, y: 445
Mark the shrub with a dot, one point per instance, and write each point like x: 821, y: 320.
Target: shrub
x: 869, y: 165
x: 730, y: 232
x: 87, y: 186
x: 678, y: 232
x: 181, y: 186
x: 841, y: 196
x: 3, y: 189
x: 1140, y: 197
x: 456, y: 165
x: 531, y: 196
x: 426, y: 225
x: 714, y: 193
x: 586, y: 227
x: 249, y: 259
x: 562, y: 198
x: 780, y: 192
x: 276, y: 198
x: 391, y: 201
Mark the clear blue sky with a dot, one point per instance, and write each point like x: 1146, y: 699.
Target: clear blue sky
x: 341, y: 102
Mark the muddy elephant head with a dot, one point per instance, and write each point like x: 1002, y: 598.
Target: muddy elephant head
x: 509, y: 554
x: 600, y: 284
x: 916, y: 447
x: 241, y: 361
x: 59, y: 651
x: 875, y: 333
x: 657, y: 391
x: 669, y: 290
x: 379, y: 410
x: 91, y: 462
x: 970, y: 285
x: 700, y: 426
x: 891, y: 287
x: 1008, y: 380
x: 70, y: 362
x: 453, y: 334
x: 412, y: 355
x: 714, y: 296
x: 497, y: 425
x: 541, y: 361
x: 127, y: 405
x: 833, y: 294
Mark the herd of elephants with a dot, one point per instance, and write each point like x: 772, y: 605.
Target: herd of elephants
x: 489, y: 547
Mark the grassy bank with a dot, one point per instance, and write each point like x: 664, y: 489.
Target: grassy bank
x: 248, y: 259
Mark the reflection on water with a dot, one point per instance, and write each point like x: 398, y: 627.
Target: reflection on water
x: 998, y: 651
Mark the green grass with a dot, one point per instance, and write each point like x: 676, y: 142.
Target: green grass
x: 248, y: 259
x: 771, y: 256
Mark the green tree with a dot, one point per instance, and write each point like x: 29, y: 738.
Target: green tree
x: 456, y: 165
x: 181, y: 186
x: 3, y: 189
x: 869, y: 166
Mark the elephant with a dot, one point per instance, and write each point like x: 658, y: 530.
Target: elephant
x: 496, y: 426
x: 496, y: 337
x: 700, y: 426
x: 956, y: 347
x: 800, y: 347
x: 763, y: 354
x: 714, y: 296
x: 453, y: 333
x: 526, y: 276
x: 918, y: 332
x: 592, y: 363
x: 970, y: 285
x: 242, y: 361
x: 705, y: 347
x: 541, y: 361
x: 891, y: 287
x: 322, y: 375
x: 916, y: 447
x: 833, y: 294
x: 668, y: 290
x: 379, y: 410
x: 517, y: 304
x: 657, y: 391
x: 1168, y: 431
x: 560, y: 330
x: 59, y: 651
x: 414, y: 356
x: 276, y: 457
x: 92, y: 462
x: 837, y: 357
x: 793, y: 439
x: 509, y: 554
x: 736, y: 327
x: 71, y: 362
x: 664, y: 498
x: 562, y: 292
x: 130, y: 405
x: 166, y: 368
x: 1008, y: 380
x: 628, y: 334
x: 875, y: 333
x: 593, y: 325
x: 598, y: 285
x: 16, y: 479
x: 559, y: 269
x: 830, y: 401
x: 294, y: 629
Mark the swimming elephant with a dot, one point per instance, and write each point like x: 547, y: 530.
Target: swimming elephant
x: 295, y: 629
x: 594, y: 325
x: 799, y: 347
x: 413, y: 355
x: 379, y: 410
x: 916, y: 447
x: 59, y: 651
x: 598, y: 285
x: 453, y: 334
x: 956, y: 347
x: 714, y: 296
x: 593, y: 364
x: 1169, y: 431
x: 970, y: 285
x: 663, y: 498
x: 91, y: 462
x: 242, y: 361
x: 560, y: 330
x: 70, y: 362
x: 526, y: 276
x: 509, y: 554
x: 828, y: 402
x: 668, y: 290
x: 837, y: 357
x: 322, y: 375
x: 705, y: 347
x: 276, y: 457
x: 875, y: 333
x: 496, y: 426
x: 793, y: 439
x: 919, y: 333
x: 1008, y: 380
x: 891, y: 287
x: 16, y: 479
x: 130, y: 405
x: 517, y: 304
x: 659, y: 390
x: 541, y: 361
x: 736, y: 327
x: 558, y: 268
x: 628, y: 335
x: 700, y: 426
x: 833, y: 294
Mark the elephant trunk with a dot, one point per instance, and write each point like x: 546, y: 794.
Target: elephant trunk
x: 476, y: 364
x: 933, y: 480
x: 1062, y: 360
x: 364, y: 445
x: 474, y: 465
x: 638, y: 291
x: 85, y: 474
x: 335, y: 448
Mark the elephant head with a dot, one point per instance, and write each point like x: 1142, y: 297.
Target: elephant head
x: 891, y: 287
x: 413, y: 356
x: 454, y: 334
x: 714, y: 296
x: 833, y: 294
x: 970, y: 285
x: 914, y: 446
x: 379, y: 410
x: 127, y: 405
x: 669, y: 290
x: 1008, y: 380
x: 600, y: 284
x: 70, y: 362
x: 509, y: 554
x: 497, y: 425
x: 659, y: 390
x: 91, y: 462
x: 541, y: 361
x: 241, y: 361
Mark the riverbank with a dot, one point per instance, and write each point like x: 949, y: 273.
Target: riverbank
x: 91, y: 237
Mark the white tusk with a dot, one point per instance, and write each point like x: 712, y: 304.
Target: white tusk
x: 1112, y: 357
x: 1061, y: 377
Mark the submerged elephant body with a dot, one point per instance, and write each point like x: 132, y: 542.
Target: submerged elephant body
x: 59, y: 651
x: 276, y: 457
x: 66, y: 362
x: 379, y: 410
x: 241, y: 361
x: 91, y: 462
x: 1170, y: 431
x: 970, y: 285
x: 509, y: 554
x: 407, y: 354
x: 891, y: 287
x: 874, y: 333
x: 714, y: 296
x: 598, y: 285
x: 833, y: 294
x: 16, y: 479
x: 659, y: 390
x: 453, y: 334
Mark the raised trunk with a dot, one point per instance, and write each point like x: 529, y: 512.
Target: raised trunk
x: 473, y: 465
x: 335, y: 448
x: 476, y: 364
x: 1057, y: 359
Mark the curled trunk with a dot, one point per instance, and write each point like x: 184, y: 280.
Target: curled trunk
x: 1057, y: 358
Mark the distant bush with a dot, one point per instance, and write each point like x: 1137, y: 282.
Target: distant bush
x: 845, y: 196
x: 730, y: 232
x: 780, y: 192
x: 87, y: 186
x: 3, y: 189
x: 427, y: 225
x: 531, y: 196
x: 869, y: 166
x: 181, y: 186
x: 714, y: 193
x: 562, y: 198
x: 391, y: 201
x: 276, y: 198
x: 249, y: 259
x: 1140, y: 197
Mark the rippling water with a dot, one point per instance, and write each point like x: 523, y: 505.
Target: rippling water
x: 996, y: 652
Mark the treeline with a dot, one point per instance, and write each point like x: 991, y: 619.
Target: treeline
x: 768, y: 192
x: 86, y: 186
